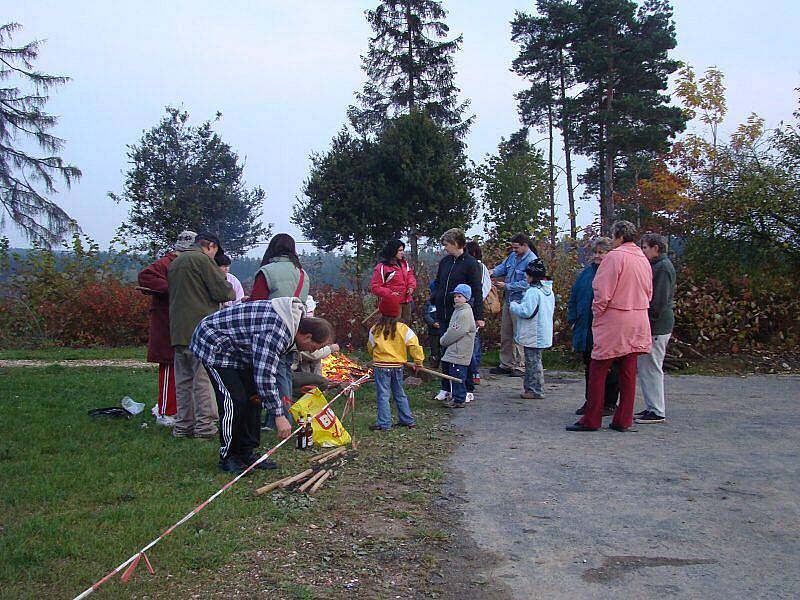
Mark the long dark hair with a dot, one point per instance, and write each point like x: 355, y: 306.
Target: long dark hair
x: 386, y: 326
x: 281, y: 244
x: 474, y: 250
x: 389, y: 251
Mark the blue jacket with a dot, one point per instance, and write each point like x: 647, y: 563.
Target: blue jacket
x: 513, y: 268
x: 535, y: 330
x: 579, y: 309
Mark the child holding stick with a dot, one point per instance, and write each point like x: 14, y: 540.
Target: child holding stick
x: 390, y: 342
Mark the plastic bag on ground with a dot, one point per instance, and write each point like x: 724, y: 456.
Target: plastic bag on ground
x: 328, y: 429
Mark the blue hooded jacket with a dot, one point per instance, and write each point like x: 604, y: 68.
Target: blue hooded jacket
x: 534, y: 327
x: 579, y: 309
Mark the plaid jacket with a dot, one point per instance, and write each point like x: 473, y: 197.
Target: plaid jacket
x: 245, y: 335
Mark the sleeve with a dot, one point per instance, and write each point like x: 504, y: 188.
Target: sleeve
x: 661, y: 286
x: 217, y: 285
x: 266, y: 355
x: 521, y: 284
x: 238, y: 290
x: 414, y: 347
x: 323, y: 352
x: 154, y: 277
x: 260, y: 289
x: 476, y: 283
x: 500, y: 270
x: 455, y: 332
x: 376, y: 284
x: 605, y: 283
x: 572, y: 303
x: 411, y: 282
x: 526, y: 306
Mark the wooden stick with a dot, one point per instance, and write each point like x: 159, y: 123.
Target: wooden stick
x: 296, y: 478
x: 369, y: 316
x: 331, y: 455
x: 319, y: 482
x: 145, y: 290
x: 271, y: 486
x: 319, y: 457
x: 311, y: 480
x: 432, y: 372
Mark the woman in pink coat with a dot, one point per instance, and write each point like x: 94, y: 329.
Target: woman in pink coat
x: 393, y: 276
x: 623, y: 288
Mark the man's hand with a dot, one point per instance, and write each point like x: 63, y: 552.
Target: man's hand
x: 396, y: 294
x: 480, y: 324
x: 436, y: 326
x: 283, y: 427
x: 335, y: 348
x: 500, y: 284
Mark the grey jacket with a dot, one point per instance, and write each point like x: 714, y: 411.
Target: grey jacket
x: 662, y: 317
x: 459, y: 339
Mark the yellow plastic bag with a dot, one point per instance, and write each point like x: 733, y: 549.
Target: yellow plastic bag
x: 328, y: 429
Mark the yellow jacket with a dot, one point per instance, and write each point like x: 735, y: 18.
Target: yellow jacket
x: 392, y: 352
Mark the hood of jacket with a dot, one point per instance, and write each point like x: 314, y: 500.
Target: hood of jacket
x: 290, y: 310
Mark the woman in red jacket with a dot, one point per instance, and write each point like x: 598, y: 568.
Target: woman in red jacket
x: 393, y: 276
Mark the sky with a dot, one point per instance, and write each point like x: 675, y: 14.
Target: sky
x: 283, y: 74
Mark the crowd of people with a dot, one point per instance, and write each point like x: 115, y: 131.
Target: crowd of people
x: 223, y: 356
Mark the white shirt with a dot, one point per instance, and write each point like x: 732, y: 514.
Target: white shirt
x: 486, y: 281
x: 238, y: 290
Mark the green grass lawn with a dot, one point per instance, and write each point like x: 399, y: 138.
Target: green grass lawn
x: 80, y: 495
x: 55, y: 353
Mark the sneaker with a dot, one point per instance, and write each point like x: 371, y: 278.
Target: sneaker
x: 232, y: 465
x: 442, y: 396
x: 648, y: 418
x: 517, y: 373
x: 266, y: 465
x: 165, y: 420
x: 531, y: 396
x: 470, y: 397
x: 641, y: 413
x: 500, y: 371
x: 452, y: 404
x: 378, y: 428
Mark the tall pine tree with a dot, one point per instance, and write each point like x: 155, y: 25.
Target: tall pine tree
x: 409, y: 65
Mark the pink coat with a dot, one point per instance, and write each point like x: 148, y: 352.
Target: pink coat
x: 623, y: 287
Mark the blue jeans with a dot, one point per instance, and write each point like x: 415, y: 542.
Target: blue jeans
x: 388, y: 384
x: 458, y: 391
x: 472, y: 372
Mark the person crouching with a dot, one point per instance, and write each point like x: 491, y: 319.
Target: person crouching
x: 390, y: 342
x: 535, y: 326
x: 459, y: 341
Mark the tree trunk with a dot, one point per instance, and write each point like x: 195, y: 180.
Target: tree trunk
x: 413, y: 240
x: 573, y: 228
x: 601, y: 163
x: 551, y: 181
x: 359, y: 251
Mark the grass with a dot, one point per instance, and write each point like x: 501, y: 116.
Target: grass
x: 80, y: 495
x: 57, y: 353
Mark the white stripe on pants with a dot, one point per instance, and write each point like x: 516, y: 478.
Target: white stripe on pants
x: 650, y: 375
x: 226, y: 424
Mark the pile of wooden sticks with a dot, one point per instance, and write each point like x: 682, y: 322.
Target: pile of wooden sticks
x: 309, y: 480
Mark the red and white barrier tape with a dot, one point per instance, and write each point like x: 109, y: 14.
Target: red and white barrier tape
x: 136, y: 558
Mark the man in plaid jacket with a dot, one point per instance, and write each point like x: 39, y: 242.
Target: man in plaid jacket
x: 240, y: 347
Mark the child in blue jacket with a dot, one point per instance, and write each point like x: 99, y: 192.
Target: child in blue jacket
x: 535, y: 326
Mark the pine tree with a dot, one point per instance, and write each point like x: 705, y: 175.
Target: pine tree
x: 409, y: 65
x: 22, y: 118
x: 186, y: 177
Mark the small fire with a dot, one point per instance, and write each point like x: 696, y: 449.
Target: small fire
x: 341, y: 369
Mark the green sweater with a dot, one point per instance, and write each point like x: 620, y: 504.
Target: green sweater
x: 196, y: 287
x: 662, y: 319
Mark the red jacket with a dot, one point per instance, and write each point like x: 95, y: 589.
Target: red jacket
x: 394, y: 278
x: 154, y: 277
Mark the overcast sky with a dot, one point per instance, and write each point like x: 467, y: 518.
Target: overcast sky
x: 283, y: 74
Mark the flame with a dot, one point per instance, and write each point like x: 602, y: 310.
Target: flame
x: 341, y: 369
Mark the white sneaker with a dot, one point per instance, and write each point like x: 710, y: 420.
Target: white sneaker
x: 442, y: 396
x: 165, y: 420
x: 470, y: 397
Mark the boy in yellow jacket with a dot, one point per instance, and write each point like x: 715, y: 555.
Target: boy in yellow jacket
x: 390, y: 342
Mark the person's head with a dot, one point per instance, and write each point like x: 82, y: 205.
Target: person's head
x: 393, y: 251
x: 474, y: 250
x: 462, y: 294
x: 389, y: 309
x: 454, y: 240
x: 654, y: 245
x: 520, y: 244
x: 281, y: 244
x: 185, y: 239
x: 600, y: 246
x: 623, y: 232
x: 209, y: 243
x: 223, y: 261
x: 313, y: 333
x: 535, y: 271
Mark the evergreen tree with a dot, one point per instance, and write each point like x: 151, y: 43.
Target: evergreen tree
x: 409, y: 65
x: 22, y: 119
x: 620, y: 52
x: 186, y: 177
x: 514, y: 188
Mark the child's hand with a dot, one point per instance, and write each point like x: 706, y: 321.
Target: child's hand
x: 436, y: 326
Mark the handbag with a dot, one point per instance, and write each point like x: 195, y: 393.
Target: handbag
x: 492, y: 303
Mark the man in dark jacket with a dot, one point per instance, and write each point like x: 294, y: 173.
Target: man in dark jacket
x: 649, y: 369
x: 579, y: 317
x: 456, y: 268
x: 153, y: 281
x: 196, y: 288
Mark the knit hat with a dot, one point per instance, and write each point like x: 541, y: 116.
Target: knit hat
x: 389, y: 306
x: 185, y: 239
x: 464, y: 290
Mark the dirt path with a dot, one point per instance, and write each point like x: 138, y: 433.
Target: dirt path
x: 118, y: 362
x: 706, y: 505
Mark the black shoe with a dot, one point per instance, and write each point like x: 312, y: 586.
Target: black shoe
x: 266, y: 465
x: 517, y: 374
x: 622, y: 429
x: 581, y: 410
x: 232, y: 464
x: 609, y: 410
x: 641, y: 414
x: 409, y: 425
x: 648, y: 417
x: 500, y: 371
x: 379, y: 428
x: 579, y: 427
